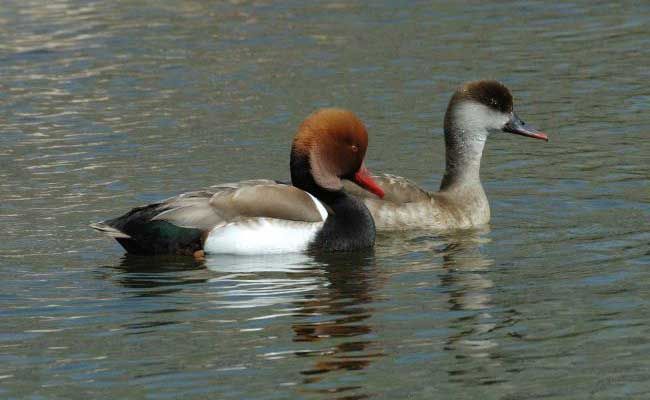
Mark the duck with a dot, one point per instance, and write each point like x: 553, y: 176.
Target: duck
x: 476, y: 110
x: 256, y: 217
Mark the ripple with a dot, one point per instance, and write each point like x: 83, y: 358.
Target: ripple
x: 95, y: 122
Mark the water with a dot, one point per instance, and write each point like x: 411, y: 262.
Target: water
x: 108, y: 105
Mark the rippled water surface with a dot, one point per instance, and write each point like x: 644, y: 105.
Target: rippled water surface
x: 108, y: 105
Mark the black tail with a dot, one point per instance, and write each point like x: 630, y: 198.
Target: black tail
x: 139, y: 233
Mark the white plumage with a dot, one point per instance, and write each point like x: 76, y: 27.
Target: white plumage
x: 264, y: 235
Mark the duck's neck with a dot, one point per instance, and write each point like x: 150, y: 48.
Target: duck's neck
x: 302, y: 178
x: 464, y: 142
x: 349, y: 225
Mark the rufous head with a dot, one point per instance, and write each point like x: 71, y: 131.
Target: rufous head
x: 335, y: 142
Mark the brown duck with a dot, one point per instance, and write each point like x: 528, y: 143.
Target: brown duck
x: 476, y: 110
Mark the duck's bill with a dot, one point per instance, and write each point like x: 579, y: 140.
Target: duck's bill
x: 363, y: 178
x: 519, y: 127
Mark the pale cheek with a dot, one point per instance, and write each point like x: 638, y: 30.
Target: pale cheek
x: 502, y: 120
x: 494, y: 120
x: 474, y: 116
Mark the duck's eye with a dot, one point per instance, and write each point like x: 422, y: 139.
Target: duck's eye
x: 355, y: 148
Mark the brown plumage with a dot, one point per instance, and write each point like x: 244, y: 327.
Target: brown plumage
x: 475, y: 110
x: 336, y: 141
x: 492, y: 94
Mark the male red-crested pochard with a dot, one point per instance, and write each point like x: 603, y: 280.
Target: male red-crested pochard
x: 262, y: 217
x: 476, y: 110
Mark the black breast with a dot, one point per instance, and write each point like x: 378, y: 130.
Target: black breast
x: 348, y: 227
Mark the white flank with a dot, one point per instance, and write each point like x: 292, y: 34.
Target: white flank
x: 261, y: 236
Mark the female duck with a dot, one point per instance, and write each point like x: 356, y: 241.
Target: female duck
x: 475, y: 110
x: 268, y: 217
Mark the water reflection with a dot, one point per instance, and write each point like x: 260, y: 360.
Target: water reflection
x: 263, y: 281
x: 465, y: 278
x: 327, y: 295
x: 155, y: 273
x: 337, y: 321
x: 324, y: 300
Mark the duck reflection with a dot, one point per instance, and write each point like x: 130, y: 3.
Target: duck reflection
x: 162, y: 275
x: 263, y: 281
x: 466, y: 279
x: 464, y: 269
x: 327, y: 295
x: 324, y: 298
x: 326, y: 302
x: 340, y: 310
x: 149, y: 283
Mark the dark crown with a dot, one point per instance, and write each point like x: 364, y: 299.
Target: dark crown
x: 490, y: 93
